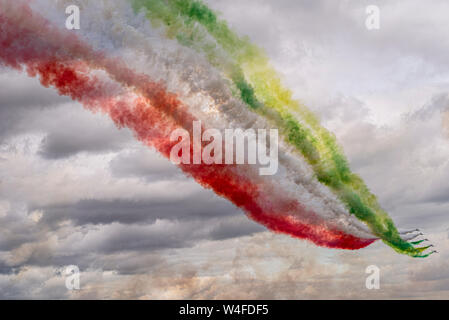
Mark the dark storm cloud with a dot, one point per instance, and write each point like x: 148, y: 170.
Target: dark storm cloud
x: 17, y: 229
x: 102, y: 247
x: 11, y: 240
x: 20, y: 97
x: 140, y: 238
x: 27, y: 107
x: 25, y: 93
x: 7, y: 270
x: 235, y: 227
x: 47, y: 258
x: 65, y: 141
x: 96, y: 211
x: 144, y: 164
x: 163, y: 235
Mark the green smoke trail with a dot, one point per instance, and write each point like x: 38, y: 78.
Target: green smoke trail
x: 256, y: 83
x: 417, y: 242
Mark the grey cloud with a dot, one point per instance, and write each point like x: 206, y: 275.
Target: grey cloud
x: 140, y: 238
x: 27, y: 107
x: 235, y: 227
x: 436, y: 271
x: 144, y: 164
x: 96, y: 211
x: 130, y: 263
x: 16, y: 229
x: 437, y: 103
x: 17, y: 91
x: 20, y: 98
x: 7, y: 270
x: 65, y: 142
x: 75, y: 130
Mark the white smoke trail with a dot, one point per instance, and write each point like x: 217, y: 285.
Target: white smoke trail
x: 412, y: 236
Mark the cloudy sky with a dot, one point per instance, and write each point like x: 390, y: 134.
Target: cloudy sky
x: 137, y: 228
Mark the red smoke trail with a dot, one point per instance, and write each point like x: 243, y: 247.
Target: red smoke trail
x: 62, y: 61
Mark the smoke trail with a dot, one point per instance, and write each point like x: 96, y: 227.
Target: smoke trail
x: 62, y: 61
x: 182, y: 19
x: 109, y: 27
x: 411, y: 237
